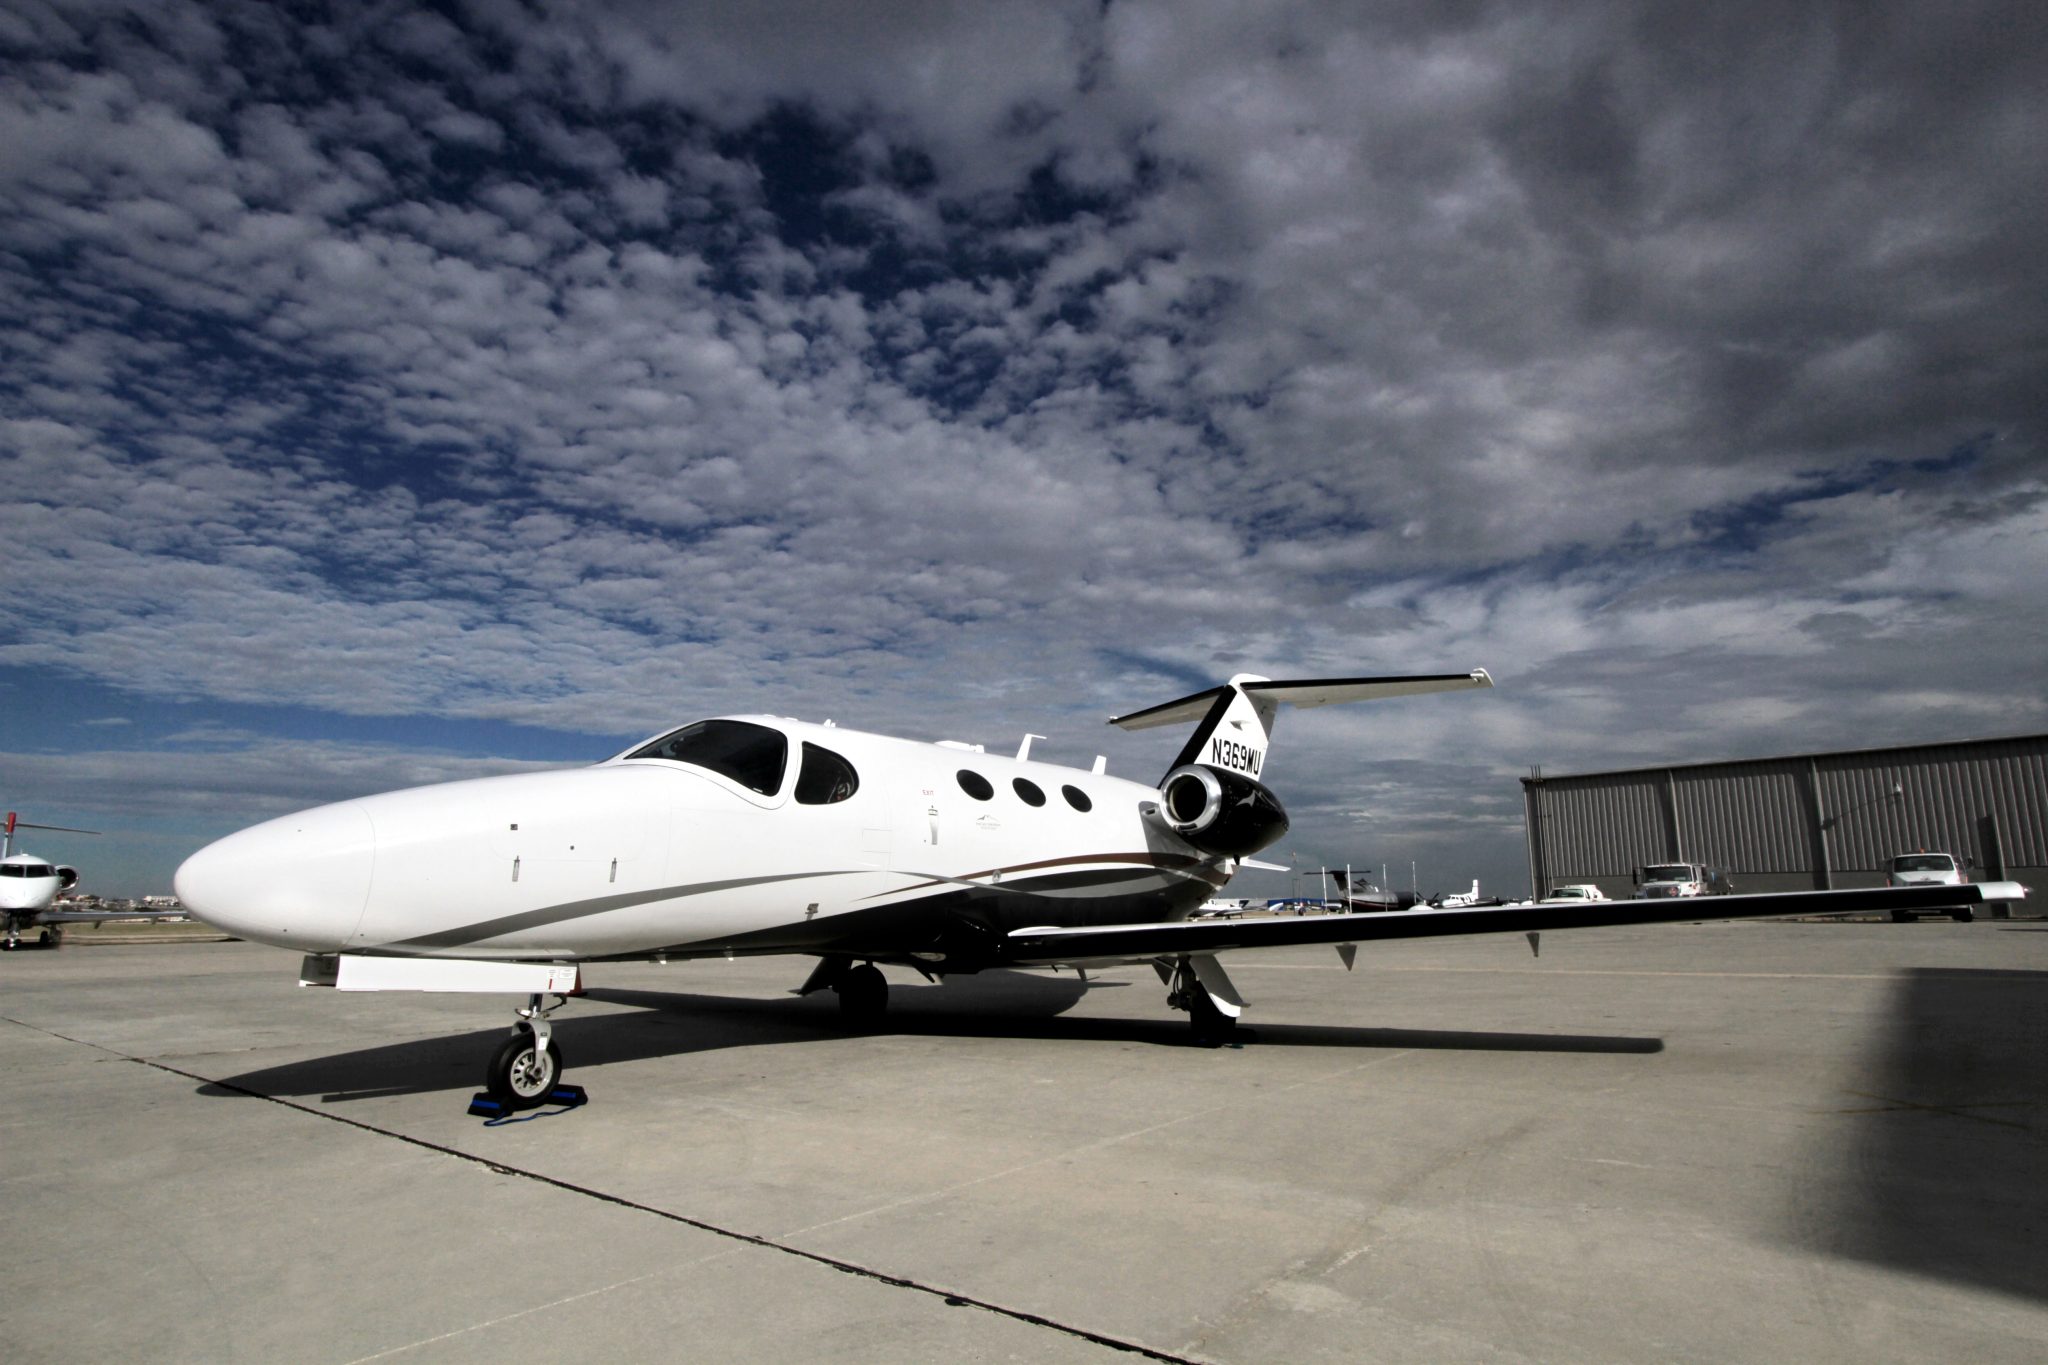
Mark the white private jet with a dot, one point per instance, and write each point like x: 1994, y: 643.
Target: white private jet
x: 758, y: 834
x: 29, y: 886
x: 1463, y: 900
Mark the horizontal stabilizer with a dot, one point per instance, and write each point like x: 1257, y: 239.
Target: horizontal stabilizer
x: 1234, y: 723
x: 1302, y: 692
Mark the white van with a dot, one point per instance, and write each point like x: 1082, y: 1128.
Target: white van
x: 1927, y: 869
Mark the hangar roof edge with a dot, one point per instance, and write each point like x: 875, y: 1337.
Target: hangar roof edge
x: 1815, y: 754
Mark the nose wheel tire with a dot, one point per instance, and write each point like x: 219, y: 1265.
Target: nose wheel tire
x: 521, y: 1074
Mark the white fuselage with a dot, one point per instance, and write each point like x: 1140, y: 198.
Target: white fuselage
x: 28, y: 884
x: 644, y: 855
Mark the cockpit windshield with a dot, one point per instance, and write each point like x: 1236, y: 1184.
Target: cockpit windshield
x: 751, y: 755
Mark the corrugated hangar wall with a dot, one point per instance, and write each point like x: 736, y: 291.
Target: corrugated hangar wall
x: 1800, y: 822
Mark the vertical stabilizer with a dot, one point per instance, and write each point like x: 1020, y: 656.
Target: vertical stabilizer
x: 1236, y: 732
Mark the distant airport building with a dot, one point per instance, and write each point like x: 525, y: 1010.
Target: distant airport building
x: 1801, y: 822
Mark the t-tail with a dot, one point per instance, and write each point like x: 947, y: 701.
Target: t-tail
x: 1215, y: 794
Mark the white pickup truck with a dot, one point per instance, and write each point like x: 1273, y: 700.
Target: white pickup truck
x: 1655, y: 880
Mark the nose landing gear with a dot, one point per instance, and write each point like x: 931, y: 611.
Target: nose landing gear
x: 526, y: 1070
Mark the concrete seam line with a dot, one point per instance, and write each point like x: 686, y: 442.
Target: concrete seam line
x: 951, y: 1298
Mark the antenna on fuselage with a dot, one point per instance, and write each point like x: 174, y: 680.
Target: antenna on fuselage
x: 1024, y: 749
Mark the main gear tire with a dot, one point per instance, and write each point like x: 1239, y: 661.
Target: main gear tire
x: 863, y: 995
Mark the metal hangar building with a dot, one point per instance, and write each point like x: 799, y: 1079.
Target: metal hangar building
x: 1799, y: 822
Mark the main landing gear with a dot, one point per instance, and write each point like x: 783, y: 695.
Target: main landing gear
x: 1197, y: 983
x: 862, y: 989
x: 863, y: 995
x: 526, y: 1070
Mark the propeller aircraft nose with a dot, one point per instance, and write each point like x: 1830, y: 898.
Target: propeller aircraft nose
x: 296, y: 882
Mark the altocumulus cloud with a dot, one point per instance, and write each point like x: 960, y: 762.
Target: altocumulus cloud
x: 567, y: 369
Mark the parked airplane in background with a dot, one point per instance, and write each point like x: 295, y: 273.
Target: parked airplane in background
x: 758, y: 834
x: 1360, y: 894
x: 29, y: 887
x: 1464, y: 900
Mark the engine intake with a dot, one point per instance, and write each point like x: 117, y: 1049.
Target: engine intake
x: 1219, y: 811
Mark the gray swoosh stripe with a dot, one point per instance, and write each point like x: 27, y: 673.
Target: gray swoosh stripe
x: 555, y: 914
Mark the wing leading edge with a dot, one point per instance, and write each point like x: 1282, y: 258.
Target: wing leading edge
x: 1059, y: 946
x: 106, y: 916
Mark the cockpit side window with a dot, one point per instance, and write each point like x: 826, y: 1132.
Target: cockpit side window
x: 751, y: 755
x: 825, y: 778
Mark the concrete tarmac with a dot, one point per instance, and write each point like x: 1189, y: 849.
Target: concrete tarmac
x: 1739, y: 1142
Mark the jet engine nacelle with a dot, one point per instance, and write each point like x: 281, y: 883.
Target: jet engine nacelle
x: 67, y: 877
x: 1219, y: 811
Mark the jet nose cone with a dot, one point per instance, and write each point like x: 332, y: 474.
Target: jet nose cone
x: 298, y: 882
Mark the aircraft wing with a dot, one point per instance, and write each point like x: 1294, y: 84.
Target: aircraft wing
x: 102, y: 916
x: 1137, y: 942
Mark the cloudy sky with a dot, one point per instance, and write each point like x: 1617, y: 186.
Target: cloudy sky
x: 393, y: 393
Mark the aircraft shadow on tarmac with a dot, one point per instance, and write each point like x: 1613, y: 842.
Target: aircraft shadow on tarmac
x: 1948, y: 1136
x: 672, y: 1024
